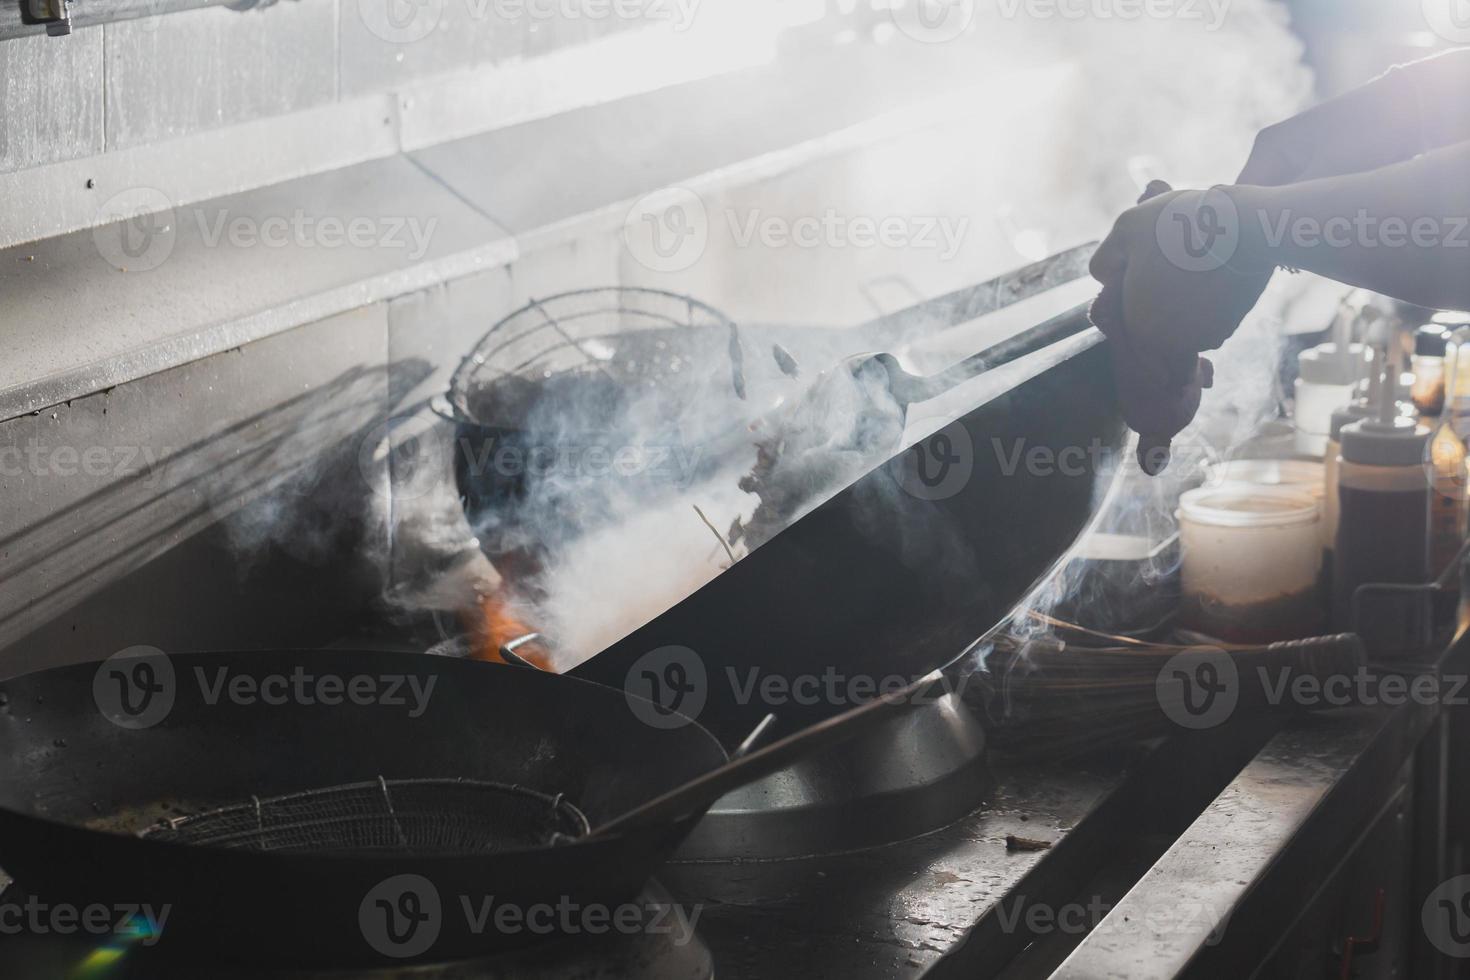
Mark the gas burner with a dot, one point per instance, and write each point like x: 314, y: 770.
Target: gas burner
x: 664, y: 946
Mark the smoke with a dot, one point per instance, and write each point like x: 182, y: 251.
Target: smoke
x: 604, y: 454
x: 1128, y: 100
x: 1177, y: 100
x: 601, y: 586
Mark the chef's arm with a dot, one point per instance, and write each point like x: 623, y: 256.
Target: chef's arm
x: 1402, y: 230
x: 1410, y: 110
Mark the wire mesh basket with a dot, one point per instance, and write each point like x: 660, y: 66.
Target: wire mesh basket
x: 593, y: 350
x: 407, y: 816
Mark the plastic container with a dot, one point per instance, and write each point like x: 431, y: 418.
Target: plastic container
x: 1341, y: 418
x: 1251, y: 561
x: 1448, y: 464
x: 1303, y: 474
x: 1325, y: 383
x: 1384, y: 500
x: 1299, y: 474
x: 1428, y: 365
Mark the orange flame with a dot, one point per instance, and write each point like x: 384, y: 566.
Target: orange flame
x: 498, y: 624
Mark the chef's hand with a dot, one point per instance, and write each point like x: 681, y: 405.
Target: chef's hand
x: 1177, y: 280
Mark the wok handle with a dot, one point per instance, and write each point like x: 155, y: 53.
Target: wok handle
x: 1061, y: 327
x: 701, y: 792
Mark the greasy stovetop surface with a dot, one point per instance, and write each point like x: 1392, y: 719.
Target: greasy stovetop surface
x: 887, y: 912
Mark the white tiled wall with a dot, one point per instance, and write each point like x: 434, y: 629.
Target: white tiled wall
x: 137, y: 82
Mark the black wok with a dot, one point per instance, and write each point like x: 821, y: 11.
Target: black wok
x: 886, y: 580
x: 92, y: 810
x: 75, y: 788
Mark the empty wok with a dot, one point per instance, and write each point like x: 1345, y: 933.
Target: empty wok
x: 362, y: 806
x: 76, y: 789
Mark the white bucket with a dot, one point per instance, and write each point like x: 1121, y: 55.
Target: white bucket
x: 1252, y: 559
x: 1297, y: 474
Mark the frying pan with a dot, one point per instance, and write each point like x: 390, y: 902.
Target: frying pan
x: 81, y: 797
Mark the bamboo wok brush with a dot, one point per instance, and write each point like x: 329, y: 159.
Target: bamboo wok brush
x: 1070, y: 690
